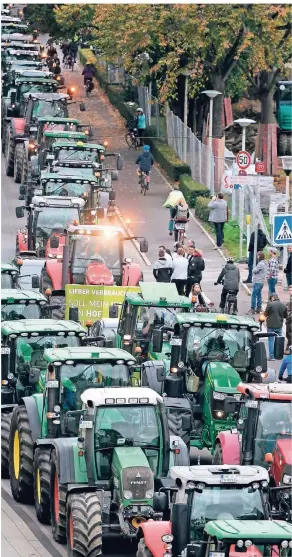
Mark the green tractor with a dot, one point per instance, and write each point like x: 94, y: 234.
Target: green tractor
x: 284, y: 117
x: 23, y: 364
x: 201, y: 494
x: 12, y: 55
x: 23, y: 304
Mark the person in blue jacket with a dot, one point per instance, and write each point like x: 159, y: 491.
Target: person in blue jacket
x: 145, y: 161
x: 140, y: 124
x: 286, y: 365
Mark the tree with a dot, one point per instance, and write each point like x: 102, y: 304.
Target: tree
x: 43, y: 16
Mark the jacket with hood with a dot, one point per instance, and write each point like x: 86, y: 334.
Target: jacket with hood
x: 219, y: 210
x: 195, y: 268
x: 230, y: 274
x: 145, y: 161
x: 162, y: 270
x: 140, y: 121
x: 261, y: 243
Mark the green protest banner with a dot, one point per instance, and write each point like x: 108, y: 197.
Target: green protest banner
x: 93, y: 302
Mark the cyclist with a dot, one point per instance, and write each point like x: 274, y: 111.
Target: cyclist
x: 88, y: 73
x: 140, y: 124
x: 145, y: 161
x: 51, y: 51
x: 73, y: 49
x: 230, y: 278
x: 178, y: 214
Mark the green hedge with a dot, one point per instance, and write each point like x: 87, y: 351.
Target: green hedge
x: 202, y: 210
x: 163, y: 153
x: 192, y: 190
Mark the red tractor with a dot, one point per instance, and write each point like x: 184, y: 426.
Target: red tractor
x: 92, y: 255
x: 280, y: 471
x: 264, y: 417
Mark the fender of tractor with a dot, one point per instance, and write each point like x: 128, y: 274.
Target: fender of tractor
x: 66, y: 469
x: 281, y: 459
x: 149, y: 371
x: 53, y: 267
x: 55, y: 252
x: 34, y: 408
x: 98, y: 273
x: 132, y: 274
x: 21, y: 241
x: 152, y: 532
x: 228, y: 443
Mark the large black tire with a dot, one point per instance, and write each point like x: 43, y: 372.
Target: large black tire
x: 289, y: 145
x: 84, y: 525
x: 217, y: 456
x: 18, y: 163
x: 24, y: 168
x: 4, y: 135
x: 42, y: 472
x: 9, y: 154
x: 142, y: 550
x: 5, y: 429
x: 21, y: 468
x: 58, y: 502
x: 60, y: 300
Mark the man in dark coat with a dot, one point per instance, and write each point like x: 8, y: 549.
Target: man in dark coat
x: 195, y: 268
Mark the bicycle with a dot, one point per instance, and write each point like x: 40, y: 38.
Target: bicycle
x: 132, y: 138
x: 230, y: 307
x: 89, y: 85
x: 143, y: 182
x: 180, y: 232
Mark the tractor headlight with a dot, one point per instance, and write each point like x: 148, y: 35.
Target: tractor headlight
x: 259, y: 369
x: 219, y: 414
x: 149, y: 494
x: 287, y: 479
x: 284, y: 543
x: 219, y: 396
x: 128, y: 494
x: 240, y: 543
x: 248, y: 543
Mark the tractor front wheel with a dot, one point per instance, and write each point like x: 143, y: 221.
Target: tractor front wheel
x: 142, y: 550
x: 5, y: 429
x: 42, y: 485
x: 18, y: 163
x: 21, y: 456
x: 58, y: 502
x: 9, y: 154
x: 218, y: 457
x: 84, y: 525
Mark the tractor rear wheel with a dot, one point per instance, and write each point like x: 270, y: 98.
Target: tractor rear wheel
x: 5, y: 429
x: 60, y: 300
x: 42, y: 470
x: 84, y: 525
x: 58, y: 502
x: 24, y: 168
x: 21, y: 456
x: 9, y: 154
x: 4, y: 135
x: 142, y: 550
x: 18, y: 163
x: 218, y: 457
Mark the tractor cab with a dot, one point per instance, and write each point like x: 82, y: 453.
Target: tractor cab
x: 13, y: 55
x: 49, y: 138
x: 47, y: 216
x: 9, y: 275
x: 22, y: 304
x: 23, y: 85
x: 20, y: 38
x: 284, y: 117
x: 19, y: 45
x: 57, y: 124
x: 11, y: 28
x: 77, y: 152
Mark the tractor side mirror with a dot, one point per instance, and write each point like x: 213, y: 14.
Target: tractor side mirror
x: 22, y: 190
x: 82, y: 107
x: 19, y: 211
x: 186, y: 423
x: 112, y: 195
x: 230, y: 404
x: 143, y: 246
x: 34, y: 171
x: 54, y: 242
x: 260, y: 357
x: 279, y: 347
x: 71, y: 425
x: 120, y: 162
x: 160, y: 373
x: 113, y: 311
x: 74, y: 315
x: 160, y: 502
x: 35, y: 281
x: 157, y: 340
x: 114, y: 175
x: 21, y: 198
x: 34, y: 375
x: 13, y: 97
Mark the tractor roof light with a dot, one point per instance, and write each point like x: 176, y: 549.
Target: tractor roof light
x: 284, y: 543
x: 240, y: 543
x: 110, y: 401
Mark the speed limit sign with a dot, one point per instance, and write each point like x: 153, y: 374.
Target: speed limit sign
x: 243, y: 160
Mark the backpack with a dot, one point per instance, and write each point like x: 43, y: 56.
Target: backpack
x: 182, y: 213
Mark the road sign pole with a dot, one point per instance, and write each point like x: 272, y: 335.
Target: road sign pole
x: 256, y: 222
x: 247, y: 218
x: 241, y: 212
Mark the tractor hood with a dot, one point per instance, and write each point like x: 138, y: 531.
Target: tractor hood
x: 136, y: 480
x: 223, y: 377
x: 98, y: 273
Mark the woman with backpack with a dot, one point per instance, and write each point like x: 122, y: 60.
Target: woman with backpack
x: 178, y: 214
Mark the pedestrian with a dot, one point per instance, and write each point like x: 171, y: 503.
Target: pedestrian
x: 286, y: 365
x: 272, y: 271
x: 218, y: 216
x: 140, y: 124
x: 258, y: 280
x: 261, y: 244
x: 230, y: 277
x: 289, y: 321
x: 198, y: 298
x: 168, y: 255
x: 196, y: 266
x: 162, y: 269
x: 176, y: 246
x: 275, y: 313
x: 180, y: 271
x: 288, y: 268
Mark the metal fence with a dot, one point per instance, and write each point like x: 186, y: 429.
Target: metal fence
x: 153, y: 110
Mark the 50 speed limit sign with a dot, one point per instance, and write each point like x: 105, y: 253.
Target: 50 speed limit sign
x: 243, y: 160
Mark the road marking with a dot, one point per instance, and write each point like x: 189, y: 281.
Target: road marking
x: 131, y: 233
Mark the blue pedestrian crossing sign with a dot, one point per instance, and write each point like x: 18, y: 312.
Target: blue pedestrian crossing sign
x: 282, y: 229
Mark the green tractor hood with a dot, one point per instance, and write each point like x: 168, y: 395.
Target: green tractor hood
x: 223, y: 377
x: 134, y: 481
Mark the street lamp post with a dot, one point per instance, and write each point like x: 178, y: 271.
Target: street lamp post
x: 287, y: 167
x: 211, y: 94
x: 244, y: 122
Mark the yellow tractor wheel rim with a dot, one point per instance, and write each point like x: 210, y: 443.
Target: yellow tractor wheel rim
x: 38, y: 485
x: 16, y: 455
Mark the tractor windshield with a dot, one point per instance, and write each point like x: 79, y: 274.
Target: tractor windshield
x: 74, y: 171
x: 126, y: 425
x: 151, y: 317
x: 101, y: 248
x: 230, y: 344
x: 11, y: 312
x: 31, y: 350
x: 274, y: 422
x: 48, y: 217
x: 77, y: 155
x: 46, y: 109
x: 73, y: 189
x: 6, y: 280
x: 36, y: 88
x: 224, y: 503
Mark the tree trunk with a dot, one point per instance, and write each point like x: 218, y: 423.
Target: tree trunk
x: 218, y: 84
x: 266, y: 95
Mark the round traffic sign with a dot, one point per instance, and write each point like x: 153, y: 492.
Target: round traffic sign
x: 242, y: 173
x: 243, y: 160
